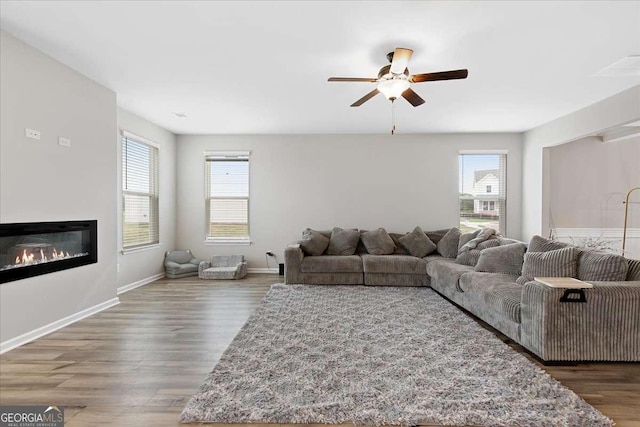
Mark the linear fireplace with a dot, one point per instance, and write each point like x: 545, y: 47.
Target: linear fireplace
x: 35, y: 248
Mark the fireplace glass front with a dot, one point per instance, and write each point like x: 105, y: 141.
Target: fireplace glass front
x: 32, y: 249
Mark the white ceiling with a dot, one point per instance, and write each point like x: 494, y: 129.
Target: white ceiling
x: 262, y: 67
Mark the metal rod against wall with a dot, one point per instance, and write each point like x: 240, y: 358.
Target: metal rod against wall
x: 626, y: 214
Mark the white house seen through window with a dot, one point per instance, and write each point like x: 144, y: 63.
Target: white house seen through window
x: 483, y: 191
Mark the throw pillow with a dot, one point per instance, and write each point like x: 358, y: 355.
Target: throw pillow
x: 555, y: 263
x: 601, y: 266
x: 540, y: 244
x: 313, y: 242
x: 343, y: 242
x: 506, y: 259
x: 437, y: 235
x: 400, y: 250
x: 448, y: 245
x: 417, y: 243
x: 378, y: 242
x: 470, y: 257
x: 634, y: 269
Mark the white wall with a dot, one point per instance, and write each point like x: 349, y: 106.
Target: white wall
x: 608, y: 113
x: 321, y: 181
x: 137, y: 266
x: 43, y: 181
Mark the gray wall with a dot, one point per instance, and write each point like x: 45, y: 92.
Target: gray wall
x: 43, y: 181
x: 608, y: 113
x: 589, y: 180
x: 321, y: 181
x: 138, y: 266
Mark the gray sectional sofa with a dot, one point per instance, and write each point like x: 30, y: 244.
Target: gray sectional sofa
x: 494, y: 281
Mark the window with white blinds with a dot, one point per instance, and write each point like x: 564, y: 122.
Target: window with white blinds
x: 140, y: 213
x: 227, y: 196
x: 483, y: 191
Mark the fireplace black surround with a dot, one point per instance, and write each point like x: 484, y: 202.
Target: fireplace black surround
x: 35, y: 248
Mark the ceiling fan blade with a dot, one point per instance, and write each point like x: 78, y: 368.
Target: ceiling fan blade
x: 365, y: 98
x: 413, y: 98
x: 442, y: 75
x: 400, y: 60
x: 352, y: 79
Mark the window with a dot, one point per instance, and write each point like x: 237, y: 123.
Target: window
x: 227, y: 197
x: 483, y: 191
x: 140, y: 219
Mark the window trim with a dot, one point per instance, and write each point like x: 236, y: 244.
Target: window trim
x: 226, y: 240
x: 124, y: 134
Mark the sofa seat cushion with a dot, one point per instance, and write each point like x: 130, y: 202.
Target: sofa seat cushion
x: 399, y: 264
x: 476, y: 282
x: 220, y: 270
x: 331, y: 264
x: 504, y: 299
x: 181, y: 268
x: 447, y: 272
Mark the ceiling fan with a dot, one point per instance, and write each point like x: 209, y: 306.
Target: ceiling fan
x: 394, y: 80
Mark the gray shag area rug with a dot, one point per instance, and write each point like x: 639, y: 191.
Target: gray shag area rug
x: 377, y: 355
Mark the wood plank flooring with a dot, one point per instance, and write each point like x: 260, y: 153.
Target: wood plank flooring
x: 138, y: 363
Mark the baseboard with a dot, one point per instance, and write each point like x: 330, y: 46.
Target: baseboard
x: 263, y: 270
x: 54, y: 326
x: 142, y: 282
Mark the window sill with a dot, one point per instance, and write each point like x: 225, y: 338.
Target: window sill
x: 139, y: 249
x: 231, y: 242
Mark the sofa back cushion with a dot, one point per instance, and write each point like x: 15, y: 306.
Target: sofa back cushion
x: 313, y: 242
x: 448, y: 245
x: 181, y: 257
x: 417, y: 243
x: 506, y: 259
x: 555, y: 263
x: 343, y: 242
x: 634, y: 269
x: 400, y: 250
x: 437, y: 235
x: 601, y: 266
x: 378, y: 242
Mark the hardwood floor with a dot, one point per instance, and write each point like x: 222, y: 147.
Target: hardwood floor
x: 137, y: 364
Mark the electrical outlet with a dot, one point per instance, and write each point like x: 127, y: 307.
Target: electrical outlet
x: 65, y: 142
x: 31, y: 133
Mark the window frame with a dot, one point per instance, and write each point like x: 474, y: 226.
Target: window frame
x: 501, y: 202
x: 226, y: 240
x: 154, y: 195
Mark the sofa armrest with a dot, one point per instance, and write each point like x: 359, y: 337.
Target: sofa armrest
x: 203, y: 266
x: 293, y: 257
x: 604, y: 328
x: 195, y: 261
x: 171, y: 265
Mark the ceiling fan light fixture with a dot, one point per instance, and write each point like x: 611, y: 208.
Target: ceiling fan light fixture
x: 393, y: 88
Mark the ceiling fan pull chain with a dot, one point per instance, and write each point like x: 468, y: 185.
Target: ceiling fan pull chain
x: 393, y: 117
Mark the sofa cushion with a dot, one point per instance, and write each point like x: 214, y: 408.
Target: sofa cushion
x: 470, y: 257
x: 396, y: 241
x: 467, y: 237
x: 634, y: 269
x: 507, y: 259
x: 447, y: 272
x: 474, y: 281
x: 313, y: 242
x: 448, y: 245
x: 417, y: 243
x: 437, y: 235
x: 378, y: 242
x: 504, y: 299
x: 540, y: 244
x: 400, y: 264
x: 343, y: 242
x: 332, y: 264
x: 554, y: 263
x: 601, y: 266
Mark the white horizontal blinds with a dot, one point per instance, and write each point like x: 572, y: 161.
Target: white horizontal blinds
x: 483, y: 191
x: 227, y: 198
x: 140, y: 219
